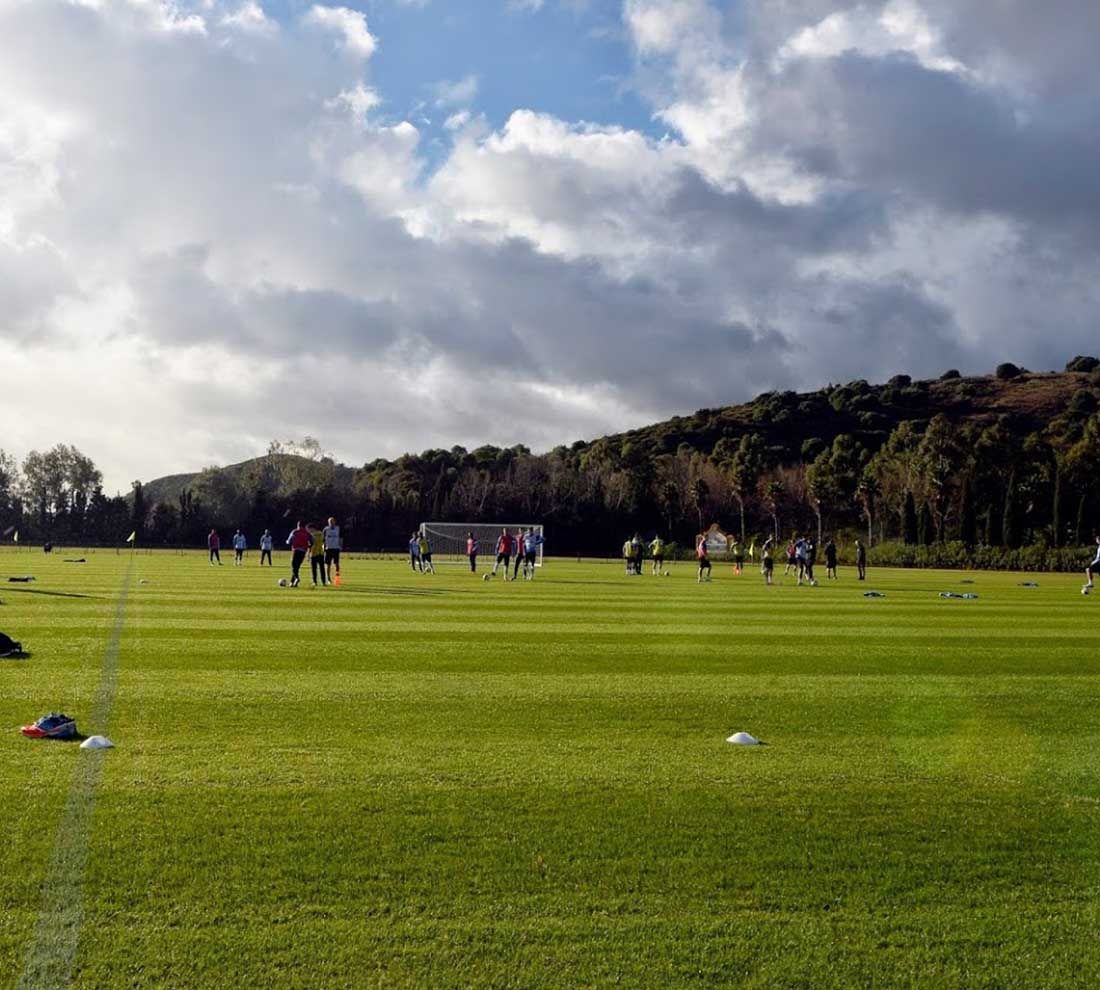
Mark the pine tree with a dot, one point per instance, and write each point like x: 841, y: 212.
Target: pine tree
x: 909, y: 520
x: 968, y: 522
x: 1010, y: 523
x: 927, y: 526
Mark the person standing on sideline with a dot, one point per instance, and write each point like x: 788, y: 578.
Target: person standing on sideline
x: 504, y: 552
x: 704, y: 560
x: 767, y: 560
x: 214, y: 543
x: 267, y: 544
x: 472, y: 548
x: 317, y: 557
x: 861, y: 560
x: 299, y: 542
x: 426, y: 554
x: 1094, y: 566
x: 738, y: 558
x: 414, y: 553
x: 240, y: 544
x: 334, y: 543
x: 657, y: 551
x: 830, y: 559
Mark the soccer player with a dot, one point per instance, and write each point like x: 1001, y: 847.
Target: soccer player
x: 767, y: 560
x: 792, y: 558
x: 657, y: 549
x: 861, y: 560
x: 334, y: 543
x: 504, y: 552
x: 704, y: 560
x: 472, y: 548
x: 317, y: 557
x: 628, y: 556
x: 414, y: 553
x: 1094, y: 566
x: 426, y: 554
x: 214, y: 543
x: 267, y: 544
x: 738, y: 558
x: 830, y: 559
x: 531, y: 543
x: 240, y: 544
x: 299, y: 542
x: 639, y: 552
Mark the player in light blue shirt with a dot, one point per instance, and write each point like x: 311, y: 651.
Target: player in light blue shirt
x: 267, y: 544
x: 531, y: 543
x: 240, y: 544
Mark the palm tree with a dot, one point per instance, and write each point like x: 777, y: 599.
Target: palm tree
x: 773, y: 494
x: 868, y: 491
x: 700, y: 492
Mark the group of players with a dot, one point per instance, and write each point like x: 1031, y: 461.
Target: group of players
x: 518, y: 550
x: 801, y: 556
x: 322, y: 544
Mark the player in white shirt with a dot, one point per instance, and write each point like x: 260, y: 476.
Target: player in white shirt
x: 1094, y: 566
x: 333, y: 545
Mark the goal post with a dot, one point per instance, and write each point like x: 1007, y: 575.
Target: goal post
x: 448, y: 540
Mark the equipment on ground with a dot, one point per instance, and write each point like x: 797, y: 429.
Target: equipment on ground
x: 97, y: 742
x: 743, y: 739
x: 9, y: 647
x: 52, y: 726
x: 282, y: 582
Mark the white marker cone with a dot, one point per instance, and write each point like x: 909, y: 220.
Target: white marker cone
x: 743, y: 739
x: 97, y: 742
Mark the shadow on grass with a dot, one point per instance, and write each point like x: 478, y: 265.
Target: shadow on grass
x: 404, y: 592
x: 51, y: 594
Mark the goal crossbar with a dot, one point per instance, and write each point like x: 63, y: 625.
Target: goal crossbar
x: 448, y: 540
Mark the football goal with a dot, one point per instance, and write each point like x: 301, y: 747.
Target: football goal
x: 448, y: 540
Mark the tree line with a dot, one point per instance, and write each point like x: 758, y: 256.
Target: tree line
x: 919, y: 463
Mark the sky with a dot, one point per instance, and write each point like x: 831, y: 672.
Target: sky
x: 401, y: 224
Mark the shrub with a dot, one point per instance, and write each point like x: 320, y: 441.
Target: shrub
x: 1083, y: 363
x: 950, y: 374
x: 1008, y: 371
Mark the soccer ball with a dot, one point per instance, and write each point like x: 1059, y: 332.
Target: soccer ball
x: 282, y: 582
x: 486, y: 577
x: 1085, y: 590
x: 667, y: 574
x: 814, y: 582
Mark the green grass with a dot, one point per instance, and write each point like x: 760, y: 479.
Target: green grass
x: 438, y: 782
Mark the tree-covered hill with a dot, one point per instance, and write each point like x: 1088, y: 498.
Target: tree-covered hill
x: 1001, y: 460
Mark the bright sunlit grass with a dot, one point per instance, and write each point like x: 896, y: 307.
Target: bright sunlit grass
x: 418, y: 781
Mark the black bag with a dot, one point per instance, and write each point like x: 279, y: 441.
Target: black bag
x: 9, y: 647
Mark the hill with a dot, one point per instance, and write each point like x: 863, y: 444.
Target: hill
x: 1000, y: 459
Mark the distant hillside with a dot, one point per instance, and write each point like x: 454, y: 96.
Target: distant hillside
x: 1003, y: 459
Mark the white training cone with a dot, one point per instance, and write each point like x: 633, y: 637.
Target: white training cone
x: 97, y: 742
x: 743, y: 739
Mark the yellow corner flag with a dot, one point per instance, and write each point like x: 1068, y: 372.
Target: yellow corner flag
x: 752, y: 550
x: 132, y: 537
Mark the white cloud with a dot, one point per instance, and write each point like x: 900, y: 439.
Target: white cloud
x: 457, y: 92
x: 250, y: 16
x: 351, y: 25
x: 832, y: 200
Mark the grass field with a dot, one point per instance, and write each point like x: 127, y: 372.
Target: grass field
x: 438, y: 782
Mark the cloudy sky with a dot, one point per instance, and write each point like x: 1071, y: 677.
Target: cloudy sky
x: 397, y: 224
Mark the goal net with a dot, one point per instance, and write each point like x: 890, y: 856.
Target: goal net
x: 448, y: 540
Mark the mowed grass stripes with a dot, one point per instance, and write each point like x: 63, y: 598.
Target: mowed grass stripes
x: 418, y: 781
